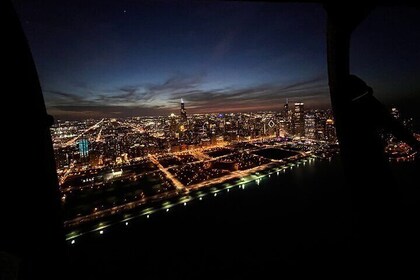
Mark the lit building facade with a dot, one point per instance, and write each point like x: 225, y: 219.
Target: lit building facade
x: 83, y: 148
x: 330, y: 134
x: 183, y: 112
x: 310, y: 126
x: 299, y: 119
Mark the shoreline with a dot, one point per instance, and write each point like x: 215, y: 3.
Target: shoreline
x: 121, y: 214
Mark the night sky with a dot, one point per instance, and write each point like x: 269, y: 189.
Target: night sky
x: 130, y: 58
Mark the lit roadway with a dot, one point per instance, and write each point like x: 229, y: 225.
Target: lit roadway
x: 232, y: 175
x: 72, y: 141
x: 200, y: 155
x: 159, y: 197
x: 168, y: 174
x: 66, y: 174
x: 239, y: 173
x: 178, y: 185
x: 117, y: 209
x: 98, y: 138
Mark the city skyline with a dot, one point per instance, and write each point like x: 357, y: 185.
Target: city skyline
x: 111, y: 166
x: 134, y: 59
x: 144, y: 160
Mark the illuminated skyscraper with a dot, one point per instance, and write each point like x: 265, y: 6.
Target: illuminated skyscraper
x: 183, y: 112
x: 288, y: 114
x: 321, y: 122
x: 172, y: 125
x: 299, y: 120
x: 310, y: 126
x: 83, y: 148
x: 330, y: 131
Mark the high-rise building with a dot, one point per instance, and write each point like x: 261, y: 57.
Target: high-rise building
x: 287, y: 117
x: 310, y: 126
x: 330, y: 134
x: 183, y: 112
x: 299, y: 119
x: 286, y: 108
x: 172, y: 125
x: 83, y: 148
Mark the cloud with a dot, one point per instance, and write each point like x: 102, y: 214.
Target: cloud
x: 178, y: 82
x: 320, y: 80
x: 96, y: 112
x: 128, y: 95
x: 163, y: 98
x: 115, y: 99
x: 261, y: 96
x: 129, y: 89
x: 65, y: 96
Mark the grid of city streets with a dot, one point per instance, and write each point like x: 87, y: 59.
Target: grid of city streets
x: 113, y: 170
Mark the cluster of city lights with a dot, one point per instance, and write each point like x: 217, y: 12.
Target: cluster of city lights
x: 167, y: 205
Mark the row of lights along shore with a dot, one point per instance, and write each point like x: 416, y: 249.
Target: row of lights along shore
x: 101, y: 227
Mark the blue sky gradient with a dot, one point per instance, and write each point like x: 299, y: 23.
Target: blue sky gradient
x: 124, y: 58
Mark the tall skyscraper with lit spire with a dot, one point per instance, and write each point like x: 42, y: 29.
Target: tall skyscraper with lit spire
x: 287, y: 115
x: 183, y: 112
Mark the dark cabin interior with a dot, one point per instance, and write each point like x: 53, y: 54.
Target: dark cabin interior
x: 355, y: 229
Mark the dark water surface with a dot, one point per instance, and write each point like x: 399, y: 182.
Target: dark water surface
x: 294, y: 222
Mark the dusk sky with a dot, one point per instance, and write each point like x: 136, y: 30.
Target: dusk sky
x: 131, y: 58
